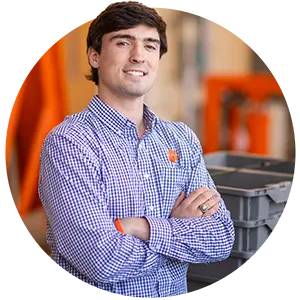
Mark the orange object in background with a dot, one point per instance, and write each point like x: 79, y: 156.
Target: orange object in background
x: 234, y: 123
x: 40, y: 105
x: 212, y: 115
x: 257, y: 89
x: 258, y: 124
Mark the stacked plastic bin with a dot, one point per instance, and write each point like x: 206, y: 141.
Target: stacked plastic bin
x: 255, y: 190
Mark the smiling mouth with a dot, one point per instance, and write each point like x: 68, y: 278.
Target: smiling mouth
x: 136, y: 73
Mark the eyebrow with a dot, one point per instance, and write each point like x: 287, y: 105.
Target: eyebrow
x: 131, y: 37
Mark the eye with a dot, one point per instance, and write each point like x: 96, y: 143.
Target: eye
x: 151, y: 47
x: 122, y: 43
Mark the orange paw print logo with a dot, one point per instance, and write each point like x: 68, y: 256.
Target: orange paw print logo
x: 173, y: 157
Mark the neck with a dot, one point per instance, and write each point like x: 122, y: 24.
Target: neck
x: 131, y: 108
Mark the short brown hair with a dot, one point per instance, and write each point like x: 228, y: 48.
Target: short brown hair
x: 123, y: 15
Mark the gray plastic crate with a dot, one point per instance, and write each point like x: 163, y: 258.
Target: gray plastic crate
x: 250, y: 235
x: 219, y: 170
x: 252, y: 195
x: 229, y: 159
x: 198, y: 285
x: 284, y: 167
x: 213, y: 272
x: 236, y: 160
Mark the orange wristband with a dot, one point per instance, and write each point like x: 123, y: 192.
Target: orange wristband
x: 118, y: 225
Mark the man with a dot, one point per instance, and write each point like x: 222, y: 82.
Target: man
x: 129, y: 202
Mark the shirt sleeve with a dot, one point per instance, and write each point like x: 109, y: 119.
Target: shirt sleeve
x: 195, y: 240
x: 71, y: 191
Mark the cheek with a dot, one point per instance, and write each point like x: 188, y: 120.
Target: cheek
x: 154, y: 70
x: 109, y: 68
x: 109, y: 59
x: 154, y: 66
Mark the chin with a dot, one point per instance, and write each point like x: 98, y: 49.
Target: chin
x: 136, y: 92
x: 136, y: 95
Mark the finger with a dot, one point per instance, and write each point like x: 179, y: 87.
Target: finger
x: 212, y: 210
x: 208, y: 203
x: 210, y: 207
x: 179, y: 200
x: 195, y: 194
x: 204, y: 197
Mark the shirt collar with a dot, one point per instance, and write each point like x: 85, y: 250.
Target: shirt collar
x: 115, y: 120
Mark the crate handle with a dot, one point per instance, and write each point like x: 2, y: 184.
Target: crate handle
x: 281, y: 185
x: 271, y: 223
x: 279, y: 192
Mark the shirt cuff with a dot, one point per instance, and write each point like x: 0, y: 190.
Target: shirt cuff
x: 222, y: 213
x: 160, y: 235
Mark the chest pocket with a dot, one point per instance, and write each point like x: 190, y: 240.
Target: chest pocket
x: 171, y: 182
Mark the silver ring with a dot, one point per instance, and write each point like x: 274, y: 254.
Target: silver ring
x: 203, y: 208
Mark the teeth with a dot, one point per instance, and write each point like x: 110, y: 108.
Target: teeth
x: 135, y: 73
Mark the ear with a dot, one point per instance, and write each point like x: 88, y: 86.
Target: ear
x: 93, y: 58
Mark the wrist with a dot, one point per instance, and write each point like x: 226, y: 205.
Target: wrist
x: 138, y: 227
x: 142, y: 229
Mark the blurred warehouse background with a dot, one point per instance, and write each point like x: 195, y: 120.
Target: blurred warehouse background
x: 209, y: 79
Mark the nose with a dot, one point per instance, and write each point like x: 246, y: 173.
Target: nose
x: 137, y: 55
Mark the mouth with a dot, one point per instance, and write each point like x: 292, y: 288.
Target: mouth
x: 135, y: 73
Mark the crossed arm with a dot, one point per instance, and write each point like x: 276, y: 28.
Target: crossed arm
x: 85, y: 235
x: 188, y: 234
x: 183, y: 209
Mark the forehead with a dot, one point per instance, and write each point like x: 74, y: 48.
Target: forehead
x: 139, y: 32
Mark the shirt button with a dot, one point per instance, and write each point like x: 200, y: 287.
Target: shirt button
x: 147, y: 176
x: 151, y: 207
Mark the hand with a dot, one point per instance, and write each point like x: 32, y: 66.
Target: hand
x: 138, y: 227
x: 189, y: 207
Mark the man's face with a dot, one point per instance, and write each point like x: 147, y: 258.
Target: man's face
x: 128, y: 61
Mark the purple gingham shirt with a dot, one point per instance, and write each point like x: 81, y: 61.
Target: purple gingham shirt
x: 94, y: 169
